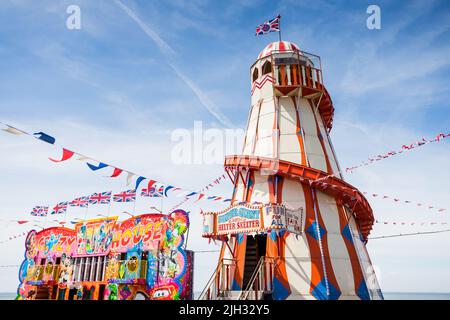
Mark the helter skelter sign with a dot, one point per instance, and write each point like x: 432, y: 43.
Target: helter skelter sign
x: 244, y: 218
x: 239, y: 219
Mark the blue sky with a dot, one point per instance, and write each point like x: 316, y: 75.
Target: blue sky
x: 118, y: 87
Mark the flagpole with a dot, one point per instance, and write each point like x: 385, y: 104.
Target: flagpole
x: 279, y: 27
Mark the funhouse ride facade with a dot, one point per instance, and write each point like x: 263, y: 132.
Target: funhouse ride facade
x: 142, y: 258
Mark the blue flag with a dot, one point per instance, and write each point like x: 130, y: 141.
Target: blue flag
x: 44, y: 137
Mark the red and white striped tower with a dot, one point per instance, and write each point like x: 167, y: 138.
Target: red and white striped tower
x: 295, y: 228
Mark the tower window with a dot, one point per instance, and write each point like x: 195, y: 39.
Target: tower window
x: 267, y: 68
x: 255, y: 74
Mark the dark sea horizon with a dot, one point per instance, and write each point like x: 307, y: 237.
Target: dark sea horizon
x: 387, y: 295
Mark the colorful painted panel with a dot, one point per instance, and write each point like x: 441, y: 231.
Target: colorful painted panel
x: 53, y: 242
x: 94, y: 237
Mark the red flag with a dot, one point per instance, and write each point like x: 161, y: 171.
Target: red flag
x: 67, y: 154
x: 150, y: 184
x: 116, y: 172
x: 201, y: 195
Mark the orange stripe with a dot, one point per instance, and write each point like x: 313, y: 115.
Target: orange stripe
x: 319, y: 135
x: 316, y: 258
x: 280, y: 271
x: 250, y: 185
x: 244, y: 192
x: 271, y: 182
x: 282, y: 75
x: 239, y: 254
x: 326, y: 252
x: 354, y: 260
x: 299, y: 134
x: 275, y: 128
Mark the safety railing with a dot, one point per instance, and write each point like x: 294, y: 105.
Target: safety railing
x: 261, y: 282
x: 220, y: 281
x: 298, y: 75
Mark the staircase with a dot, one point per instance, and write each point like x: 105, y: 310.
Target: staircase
x: 251, y: 260
x: 258, y: 287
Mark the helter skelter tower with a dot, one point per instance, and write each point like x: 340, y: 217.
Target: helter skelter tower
x: 295, y: 229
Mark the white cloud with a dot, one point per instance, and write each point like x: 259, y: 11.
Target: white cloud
x: 167, y: 50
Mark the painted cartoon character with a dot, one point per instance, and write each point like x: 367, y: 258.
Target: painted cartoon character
x: 112, y: 268
x: 165, y: 292
x: 30, y: 245
x: 101, y: 238
x: 50, y: 243
x: 112, y: 292
x: 65, y: 273
x: 81, y: 236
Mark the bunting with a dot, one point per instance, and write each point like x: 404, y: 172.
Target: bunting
x: 67, y: 154
x: 125, y: 196
x: 81, y: 202
x: 411, y: 223
x: 13, y: 237
x: 60, y: 208
x: 39, y: 211
x: 418, y: 204
x: 138, y: 182
x: 101, y: 165
x: 100, y: 198
x: 404, y: 148
x: 44, y: 137
x: 116, y: 172
x: 152, y: 192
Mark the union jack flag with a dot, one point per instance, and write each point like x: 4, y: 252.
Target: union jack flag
x: 39, y: 211
x: 82, y: 202
x: 269, y: 26
x: 60, y: 208
x: 100, y: 198
x: 153, y: 192
x: 125, y: 196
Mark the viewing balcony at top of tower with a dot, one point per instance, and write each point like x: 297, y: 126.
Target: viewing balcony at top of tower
x: 289, y: 69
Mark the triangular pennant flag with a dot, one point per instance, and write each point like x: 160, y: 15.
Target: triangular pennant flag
x: 150, y: 184
x: 116, y: 172
x: 67, y: 154
x: 201, y: 195
x: 101, y: 165
x: 138, y: 182
x: 191, y: 194
x: 13, y: 130
x: 44, y: 137
x: 167, y: 189
x: 129, y: 178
